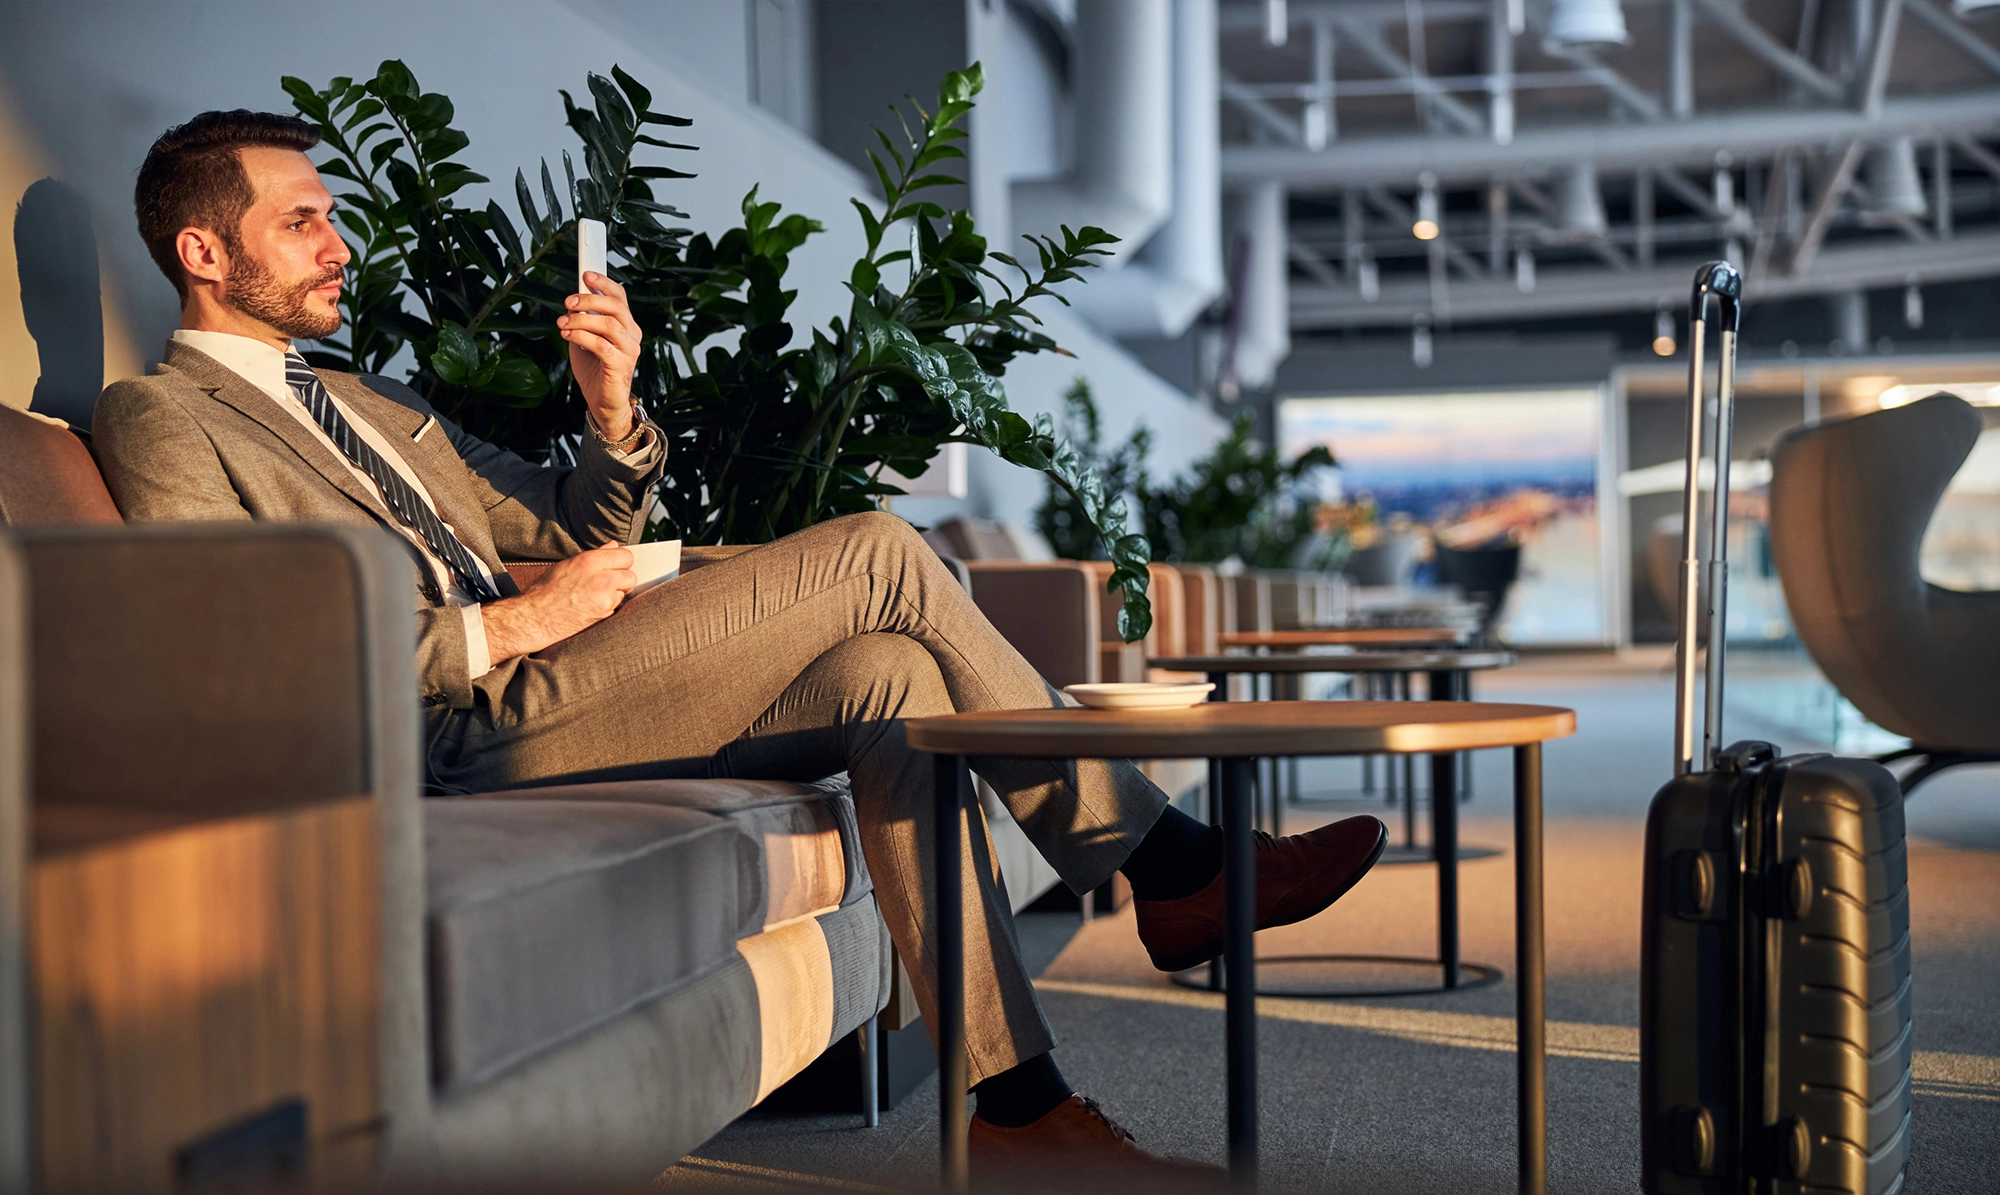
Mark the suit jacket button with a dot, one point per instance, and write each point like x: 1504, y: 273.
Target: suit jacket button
x: 434, y: 699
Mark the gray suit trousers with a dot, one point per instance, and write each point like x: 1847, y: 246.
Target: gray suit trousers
x: 797, y: 660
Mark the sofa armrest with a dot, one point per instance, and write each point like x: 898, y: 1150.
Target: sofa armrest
x: 1048, y: 611
x: 223, y: 669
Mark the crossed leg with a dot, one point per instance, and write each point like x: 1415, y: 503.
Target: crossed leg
x: 797, y: 660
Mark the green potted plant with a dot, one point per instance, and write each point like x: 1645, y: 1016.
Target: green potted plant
x: 1240, y: 503
x: 769, y: 431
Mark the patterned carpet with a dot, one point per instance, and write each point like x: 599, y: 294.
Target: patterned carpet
x: 1416, y: 1094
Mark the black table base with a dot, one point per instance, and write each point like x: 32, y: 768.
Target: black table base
x: 1471, y: 975
x: 1237, y: 783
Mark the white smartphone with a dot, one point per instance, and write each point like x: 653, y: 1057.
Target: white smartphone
x: 589, y: 252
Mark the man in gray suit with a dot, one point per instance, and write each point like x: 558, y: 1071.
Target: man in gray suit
x: 796, y: 660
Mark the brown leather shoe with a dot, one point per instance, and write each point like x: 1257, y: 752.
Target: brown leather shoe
x: 1073, y: 1145
x: 1297, y: 876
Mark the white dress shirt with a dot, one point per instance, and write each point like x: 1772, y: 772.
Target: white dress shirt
x: 263, y: 366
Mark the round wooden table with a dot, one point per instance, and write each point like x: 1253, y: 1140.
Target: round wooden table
x: 1340, y: 637
x: 1450, y: 671
x: 1237, y: 734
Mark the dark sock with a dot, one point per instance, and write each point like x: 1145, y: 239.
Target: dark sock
x: 1022, y: 1095
x: 1177, y: 857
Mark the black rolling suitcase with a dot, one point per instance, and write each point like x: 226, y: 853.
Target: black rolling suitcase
x: 1774, y: 1051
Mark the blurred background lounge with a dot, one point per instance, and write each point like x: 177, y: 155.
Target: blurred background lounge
x: 1447, y: 241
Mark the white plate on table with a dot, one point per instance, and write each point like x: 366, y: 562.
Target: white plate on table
x: 1141, y: 696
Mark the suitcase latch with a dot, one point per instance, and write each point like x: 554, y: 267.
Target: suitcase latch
x: 1697, y: 886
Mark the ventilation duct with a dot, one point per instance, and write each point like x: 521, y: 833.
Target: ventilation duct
x: 1580, y: 24
x: 1162, y: 288
x: 1122, y: 79
x: 1264, y: 324
x: 1894, y: 190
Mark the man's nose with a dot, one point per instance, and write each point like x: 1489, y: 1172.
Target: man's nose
x: 335, y: 251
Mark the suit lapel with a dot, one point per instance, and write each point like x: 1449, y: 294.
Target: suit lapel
x: 432, y: 459
x: 226, y: 386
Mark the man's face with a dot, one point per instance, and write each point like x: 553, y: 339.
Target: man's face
x: 287, y: 260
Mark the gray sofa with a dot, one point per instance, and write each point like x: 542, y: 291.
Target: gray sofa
x: 583, y: 980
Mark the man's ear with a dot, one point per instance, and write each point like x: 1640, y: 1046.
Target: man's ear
x: 202, y: 255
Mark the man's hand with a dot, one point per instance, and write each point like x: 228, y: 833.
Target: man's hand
x: 604, y: 343
x: 570, y: 596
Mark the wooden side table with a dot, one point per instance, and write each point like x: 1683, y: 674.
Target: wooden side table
x: 1237, y: 735
x: 1341, y: 637
x: 1450, y: 671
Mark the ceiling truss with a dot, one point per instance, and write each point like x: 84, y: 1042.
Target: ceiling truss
x: 1782, y: 184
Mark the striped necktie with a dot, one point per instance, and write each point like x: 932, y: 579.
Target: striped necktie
x: 414, y: 512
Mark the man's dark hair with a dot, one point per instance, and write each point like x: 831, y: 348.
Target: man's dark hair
x: 193, y: 178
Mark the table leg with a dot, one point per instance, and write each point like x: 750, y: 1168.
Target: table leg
x: 1444, y: 838
x: 1532, y: 1077
x: 1239, y: 958
x: 1220, y: 693
x: 949, y: 900
x: 1400, y: 684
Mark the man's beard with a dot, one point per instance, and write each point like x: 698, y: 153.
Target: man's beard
x: 257, y: 293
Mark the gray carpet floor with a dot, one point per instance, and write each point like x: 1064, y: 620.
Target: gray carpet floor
x: 1416, y: 1094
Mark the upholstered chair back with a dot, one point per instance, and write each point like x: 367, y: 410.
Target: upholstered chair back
x: 47, y: 476
x: 1850, y: 500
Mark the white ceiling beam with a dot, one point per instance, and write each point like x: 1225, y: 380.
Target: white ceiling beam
x: 1881, y: 52
x: 1621, y: 89
x: 1360, y: 161
x: 1981, y: 156
x: 1260, y: 111
x: 1946, y: 26
x: 1368, y: 39
x: 1752, y: 37
x: 1561, y: 291
x: 1824, y: 205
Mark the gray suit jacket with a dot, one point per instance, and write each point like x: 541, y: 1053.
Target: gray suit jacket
x: 195, y: 442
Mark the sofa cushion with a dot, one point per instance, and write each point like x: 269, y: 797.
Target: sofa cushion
x: 546, y: 917
x: 808, y: 845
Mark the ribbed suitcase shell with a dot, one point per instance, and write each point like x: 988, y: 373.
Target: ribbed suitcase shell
x: 1775, y: 1006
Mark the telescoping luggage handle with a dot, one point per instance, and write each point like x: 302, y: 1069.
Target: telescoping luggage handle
x: 1720, y: 281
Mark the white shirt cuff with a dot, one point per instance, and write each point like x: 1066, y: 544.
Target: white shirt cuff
x: 478, y: 657
x: 640, y: 452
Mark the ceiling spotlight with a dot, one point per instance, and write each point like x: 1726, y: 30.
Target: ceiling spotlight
x: 1428, y: 224
x: 1895, y: 192
x: 1524, y: 272
x: 1574, y: 24
x: 1663, y: 333
x: 1581, y: 204
x: 1420, y: 341
x: 1913, y: 305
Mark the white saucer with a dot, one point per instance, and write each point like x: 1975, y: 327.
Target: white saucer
x: 1141, y: 696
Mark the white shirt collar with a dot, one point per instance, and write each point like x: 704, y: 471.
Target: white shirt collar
x: 256, y: 362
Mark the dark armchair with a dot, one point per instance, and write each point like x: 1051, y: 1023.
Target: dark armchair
x: 1850, y: 501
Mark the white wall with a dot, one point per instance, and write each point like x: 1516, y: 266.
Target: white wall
x: 94, y: 83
